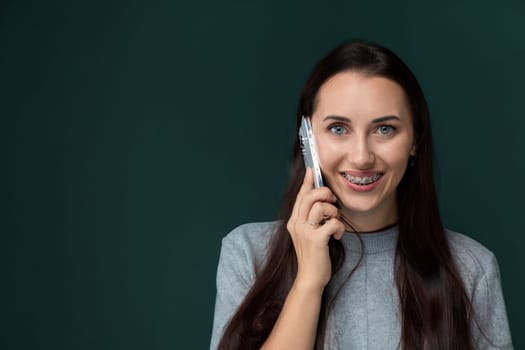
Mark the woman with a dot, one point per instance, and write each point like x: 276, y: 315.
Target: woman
x: 364, y: 262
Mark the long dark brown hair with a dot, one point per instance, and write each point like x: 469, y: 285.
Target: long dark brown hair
x: 435, y: 309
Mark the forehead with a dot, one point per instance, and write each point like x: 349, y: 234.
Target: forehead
x: 354, y: 94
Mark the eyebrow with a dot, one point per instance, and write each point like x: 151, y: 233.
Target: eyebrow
x: 376, y: 120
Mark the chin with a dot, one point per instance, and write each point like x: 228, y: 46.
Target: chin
x: 377, y: 205
x: 361, y: 208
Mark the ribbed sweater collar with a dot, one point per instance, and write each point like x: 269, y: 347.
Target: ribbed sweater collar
x: 373, y: 242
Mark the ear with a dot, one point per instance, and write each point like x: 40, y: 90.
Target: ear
x: 413, y: 150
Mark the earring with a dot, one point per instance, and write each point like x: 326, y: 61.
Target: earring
x: 411, y: 160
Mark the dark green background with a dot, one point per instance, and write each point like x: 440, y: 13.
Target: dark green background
x: 138, y: 133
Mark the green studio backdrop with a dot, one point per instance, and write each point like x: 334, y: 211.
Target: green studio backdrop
x: 137, y: 134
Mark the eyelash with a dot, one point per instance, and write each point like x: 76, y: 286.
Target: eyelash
x: 331, y: 129
x: 392, y: 128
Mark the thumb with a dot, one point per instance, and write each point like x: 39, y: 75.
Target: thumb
x: 308, y: 182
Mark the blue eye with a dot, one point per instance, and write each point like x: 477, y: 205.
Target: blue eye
x: 386, y: 129
x: 337, y: 130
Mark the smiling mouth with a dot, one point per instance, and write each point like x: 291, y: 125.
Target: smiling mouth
x: 362, y: 181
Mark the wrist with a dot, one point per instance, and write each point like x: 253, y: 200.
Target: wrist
x: 307, y: 288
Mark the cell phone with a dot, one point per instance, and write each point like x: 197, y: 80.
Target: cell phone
x: 307, y: 141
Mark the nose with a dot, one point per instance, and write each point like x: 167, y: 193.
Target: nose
x: 361, y: 155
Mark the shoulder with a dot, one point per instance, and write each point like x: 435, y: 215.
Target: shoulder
x: 253, y: 232
x: 249, y: 242
x: 481, y: 276
x: 475, y: 261
x: 243, y: 252
x: 467, y: 248
x: 252, y: 236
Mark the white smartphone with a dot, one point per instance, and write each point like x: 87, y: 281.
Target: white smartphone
x: 307, y: 140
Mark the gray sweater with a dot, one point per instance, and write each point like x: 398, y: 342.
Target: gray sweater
x: 366, y: 312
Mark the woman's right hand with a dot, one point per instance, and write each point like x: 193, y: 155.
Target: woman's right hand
x: 314, y: 220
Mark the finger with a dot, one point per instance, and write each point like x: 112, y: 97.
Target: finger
x: 334, y: 227
x: 322, y: 194
x: 321, y: 234
x: 308, y: 184
x: 308, y: 181
x: 322, y: 211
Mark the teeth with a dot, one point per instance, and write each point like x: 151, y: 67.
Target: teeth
x: 365, y: 180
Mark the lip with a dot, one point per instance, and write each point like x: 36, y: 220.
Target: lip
x: 362, y: 173
x: 362, y: 188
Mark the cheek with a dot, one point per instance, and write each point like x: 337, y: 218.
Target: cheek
x: 328, y: 153
x: 395, y: 154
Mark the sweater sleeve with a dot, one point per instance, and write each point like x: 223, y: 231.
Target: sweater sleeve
x: 490, y: 326
x: 243, y: 252
x: 233, y: 282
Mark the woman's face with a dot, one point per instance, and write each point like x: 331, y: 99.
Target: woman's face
x: 363, y: 128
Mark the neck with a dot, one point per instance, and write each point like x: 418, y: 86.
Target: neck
x: 368, y: 221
